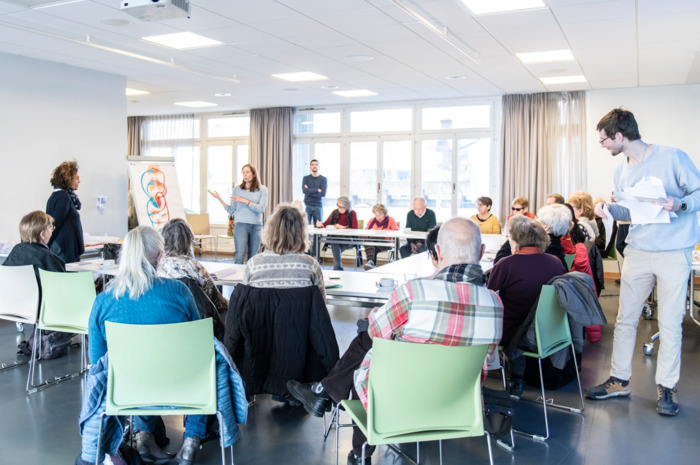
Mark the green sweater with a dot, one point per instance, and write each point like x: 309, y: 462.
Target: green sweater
x: 424, y: 223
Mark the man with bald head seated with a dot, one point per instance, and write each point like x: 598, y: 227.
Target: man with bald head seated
x: 453, y: 308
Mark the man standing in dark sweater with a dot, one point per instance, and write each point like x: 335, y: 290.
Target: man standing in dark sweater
x: 314, y: 188
x: 420, y: 218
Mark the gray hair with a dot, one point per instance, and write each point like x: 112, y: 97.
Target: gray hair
x: 558, y: 217
x: 138, y: 259
x: 345, y: 202
x: 527, y: 232
x: 178, y: 238
x: 459, y: 240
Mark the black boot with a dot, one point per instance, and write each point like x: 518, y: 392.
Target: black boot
x: 312, y: 396
x: 357, y: 460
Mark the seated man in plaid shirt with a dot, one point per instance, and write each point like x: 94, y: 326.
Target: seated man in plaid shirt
x: 454, y: 308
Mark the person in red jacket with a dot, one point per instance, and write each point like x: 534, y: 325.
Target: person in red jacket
x: 343, y: 217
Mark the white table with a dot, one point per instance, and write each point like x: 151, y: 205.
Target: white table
x: 366, y: 237
x: 420, y: 265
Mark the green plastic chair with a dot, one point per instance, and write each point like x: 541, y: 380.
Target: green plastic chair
x: 613, y: 253
x: 569, y: 259
x: 66, y: 302
x: 167, y: 369
x: 553, y: 334
x: 412, y: 397
x: 19, y: 298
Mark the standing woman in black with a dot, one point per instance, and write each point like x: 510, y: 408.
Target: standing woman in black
x: 63, y: 206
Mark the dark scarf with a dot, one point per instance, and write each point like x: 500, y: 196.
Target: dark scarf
x: 463, y: 273
x: 383, y: 225
x: 74, y: 198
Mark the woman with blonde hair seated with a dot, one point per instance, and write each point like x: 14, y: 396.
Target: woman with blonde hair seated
x: 284, y: 263
x: 137, y: 295
x: 179, y: 262
x: 35, y: 230
x: 381, y: 220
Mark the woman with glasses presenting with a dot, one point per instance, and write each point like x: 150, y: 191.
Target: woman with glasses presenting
x: 248, y: 204
x: 343, y: 217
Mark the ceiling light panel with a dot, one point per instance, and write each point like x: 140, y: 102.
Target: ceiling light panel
x: 196, y: 104
x: 485, y: 7
x: 545, y: 57
x: 300, y: 77
x: 182, y: 40
x: 355, y: 93
x: 563, y: 79
x: 136, y: 92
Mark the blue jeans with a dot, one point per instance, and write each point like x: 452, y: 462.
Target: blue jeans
x: 246, y: 235
x: 195, y: 425
x: 314, y: 213
x: 337, y: 250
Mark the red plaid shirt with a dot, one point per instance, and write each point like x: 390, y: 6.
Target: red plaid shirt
x: 454, y: 308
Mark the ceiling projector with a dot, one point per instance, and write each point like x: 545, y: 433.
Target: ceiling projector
x: 156, y: 10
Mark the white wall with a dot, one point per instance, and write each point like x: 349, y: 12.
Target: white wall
x: 668, y: 115
x: 50, y: 113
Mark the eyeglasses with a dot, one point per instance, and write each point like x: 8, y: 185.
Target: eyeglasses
x: 603, y: 140
x: 516, y: 209
x: 340, y: 206
x: 51, y: 227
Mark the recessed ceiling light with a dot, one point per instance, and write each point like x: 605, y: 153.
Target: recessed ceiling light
x: 53, y: 4
x: 546, y: 57
x: 299, y: 77
x: 563, y: 79
x: 359, y: 58
x: 196, y: 104
x: 136, y: 92
x: 115, y: 22
x: 222, y: 94
x: 330, y: 87
x: 291, y: 89
x: 182, y: 40
x: 554, y: 70
x: 484, y: 7
x: 456, y: 77
x: 355, y: 93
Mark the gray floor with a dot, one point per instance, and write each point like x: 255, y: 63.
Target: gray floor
x: 42, y: 428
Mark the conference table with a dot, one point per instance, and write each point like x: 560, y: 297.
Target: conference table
x: 365, y: 237
x: 351, y: 288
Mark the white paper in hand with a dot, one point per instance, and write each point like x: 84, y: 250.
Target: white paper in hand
x: 608, y: 222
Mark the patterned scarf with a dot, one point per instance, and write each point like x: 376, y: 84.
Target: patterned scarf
x: 383, y: 225
x: 462, y: 273
x: 74, y: 198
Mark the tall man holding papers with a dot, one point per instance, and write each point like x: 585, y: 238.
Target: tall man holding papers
x: 658, y: 252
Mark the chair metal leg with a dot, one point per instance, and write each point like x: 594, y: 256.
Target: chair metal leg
x: 331, y: 422
x: 220, y: 417
x: 537, y: 437
x: 488, y: 443
x: 32, y: 360
x: 578, y: 378
x: 99, y: 438
x: 440, y: 447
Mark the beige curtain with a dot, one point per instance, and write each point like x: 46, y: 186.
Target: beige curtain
x: 544, y: 147
x: 271, y: 152
x: 133, y: 135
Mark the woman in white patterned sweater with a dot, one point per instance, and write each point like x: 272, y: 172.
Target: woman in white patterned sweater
x: 284, y: 264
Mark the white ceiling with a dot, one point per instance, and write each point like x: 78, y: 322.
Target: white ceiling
x: 616, y: 43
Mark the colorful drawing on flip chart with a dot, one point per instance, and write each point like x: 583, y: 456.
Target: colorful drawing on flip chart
x: 156, y: 192
x: 155, y: 188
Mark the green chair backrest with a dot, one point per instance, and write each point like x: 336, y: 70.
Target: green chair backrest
x: 19, y: 294
x: 551, y: 324
x: 66, y: 301
x: 569, y: 259
x: 422, y: 392
x: 161, y: 366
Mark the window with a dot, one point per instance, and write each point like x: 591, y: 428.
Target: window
x: 400, y: 119
x: 316, y: 123
x: 396, y: 178
x: 465, y: 117
x: 228, y: 127
x: 363, y: 178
